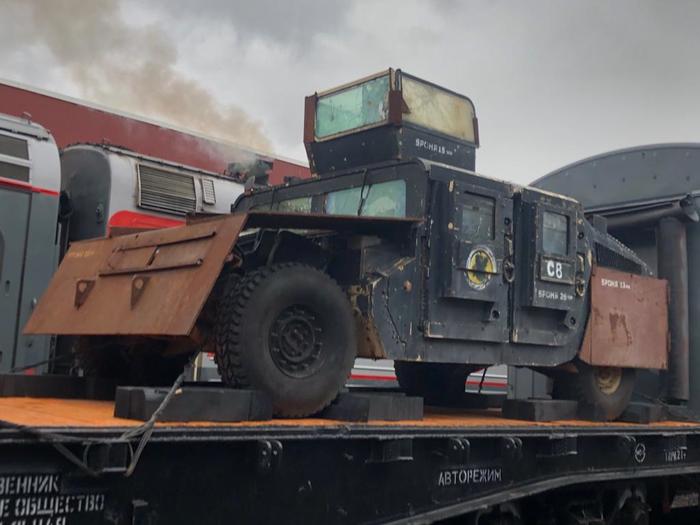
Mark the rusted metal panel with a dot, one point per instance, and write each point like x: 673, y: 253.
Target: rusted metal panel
x: 628, y: 323
x: 152, y: 283
x: 310, y: 118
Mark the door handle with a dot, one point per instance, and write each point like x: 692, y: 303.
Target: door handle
x: 508, y: 270
x: 508, y: 264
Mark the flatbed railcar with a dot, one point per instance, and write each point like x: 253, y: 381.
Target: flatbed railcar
x: 68, y: 461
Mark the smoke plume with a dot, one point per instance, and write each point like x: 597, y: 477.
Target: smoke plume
x: 132, y: 68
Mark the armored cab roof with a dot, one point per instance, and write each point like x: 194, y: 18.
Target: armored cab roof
x: 388, y: 116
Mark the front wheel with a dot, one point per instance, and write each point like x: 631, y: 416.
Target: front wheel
x: 609, y: 389
x: 287, y: 330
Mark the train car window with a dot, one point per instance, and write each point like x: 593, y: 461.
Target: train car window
x: 298, y: 205
x: 384, y: 199
x: 14, y: 171
x: 555, y: 233
x: 14, y: 147
x: 478, y: 217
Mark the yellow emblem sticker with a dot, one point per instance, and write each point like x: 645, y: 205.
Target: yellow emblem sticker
x: 481, y: 266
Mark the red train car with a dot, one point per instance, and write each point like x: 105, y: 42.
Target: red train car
x: 72, y: 121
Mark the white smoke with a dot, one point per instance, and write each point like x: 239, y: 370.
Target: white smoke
x: 129, y: 68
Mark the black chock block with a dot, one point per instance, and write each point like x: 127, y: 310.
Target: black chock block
x: 99, y: 388
x: 372, y: 406
x: 193, y: 404
x: 591, y: 412
x: 535, y: 409
x: 474, y: 401
x: 637, y: 412
x: 682, y: 413
x: 56, y: 386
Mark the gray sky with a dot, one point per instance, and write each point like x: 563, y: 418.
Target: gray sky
x: 552, y: 81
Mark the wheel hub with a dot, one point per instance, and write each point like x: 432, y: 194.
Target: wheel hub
x: 608, y: 379
x: 295, y: 341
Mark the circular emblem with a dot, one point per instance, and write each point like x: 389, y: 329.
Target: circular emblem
x: 481, y: 266
x: 640, y: 453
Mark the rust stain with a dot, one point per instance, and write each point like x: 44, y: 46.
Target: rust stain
x: 618, y: 320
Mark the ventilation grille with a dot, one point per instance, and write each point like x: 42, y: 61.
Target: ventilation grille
x: 208, y: 194
x: 610, y: 259
x: 165, y: 191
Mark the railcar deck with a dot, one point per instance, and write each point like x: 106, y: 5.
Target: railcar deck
x: 80, y: 414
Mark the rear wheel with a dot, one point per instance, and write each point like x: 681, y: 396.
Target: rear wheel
x: 287, y: 330
x: 609, y: 389
x: 435, y: 382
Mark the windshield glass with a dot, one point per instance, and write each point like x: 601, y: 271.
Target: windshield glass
x: 435, y: 108
x: 384, y: 199
x: 352, y: 108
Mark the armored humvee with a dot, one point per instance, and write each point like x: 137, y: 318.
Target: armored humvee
x: 395, y: 249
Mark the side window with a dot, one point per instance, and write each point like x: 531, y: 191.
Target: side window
x: 353, y: 108
x: 343, y: 202
x: 18, y: 148
x: 14, y: 147
x: 478, y: 216
x: 14, y: 171
x: 384, y: 199
x: 299, y: 205
x: 555, y: 233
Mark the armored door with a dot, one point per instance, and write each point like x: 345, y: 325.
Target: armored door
x: 472, y: 248
x: 550, y: 259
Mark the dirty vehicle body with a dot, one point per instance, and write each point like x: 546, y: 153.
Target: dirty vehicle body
x: 397, y: 250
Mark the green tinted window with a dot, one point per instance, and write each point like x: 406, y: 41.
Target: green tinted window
x: 352, y: 108
x: 299, y: 205
x: 385, y: 199
x: 343, y: 202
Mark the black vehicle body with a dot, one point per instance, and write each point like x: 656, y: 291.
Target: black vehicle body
x: 404, y: 253
x: 415, y: 291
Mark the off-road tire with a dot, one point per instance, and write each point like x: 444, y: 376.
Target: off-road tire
x: 435, y: 382
x: 584, y: 388
x: 263, y: 323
